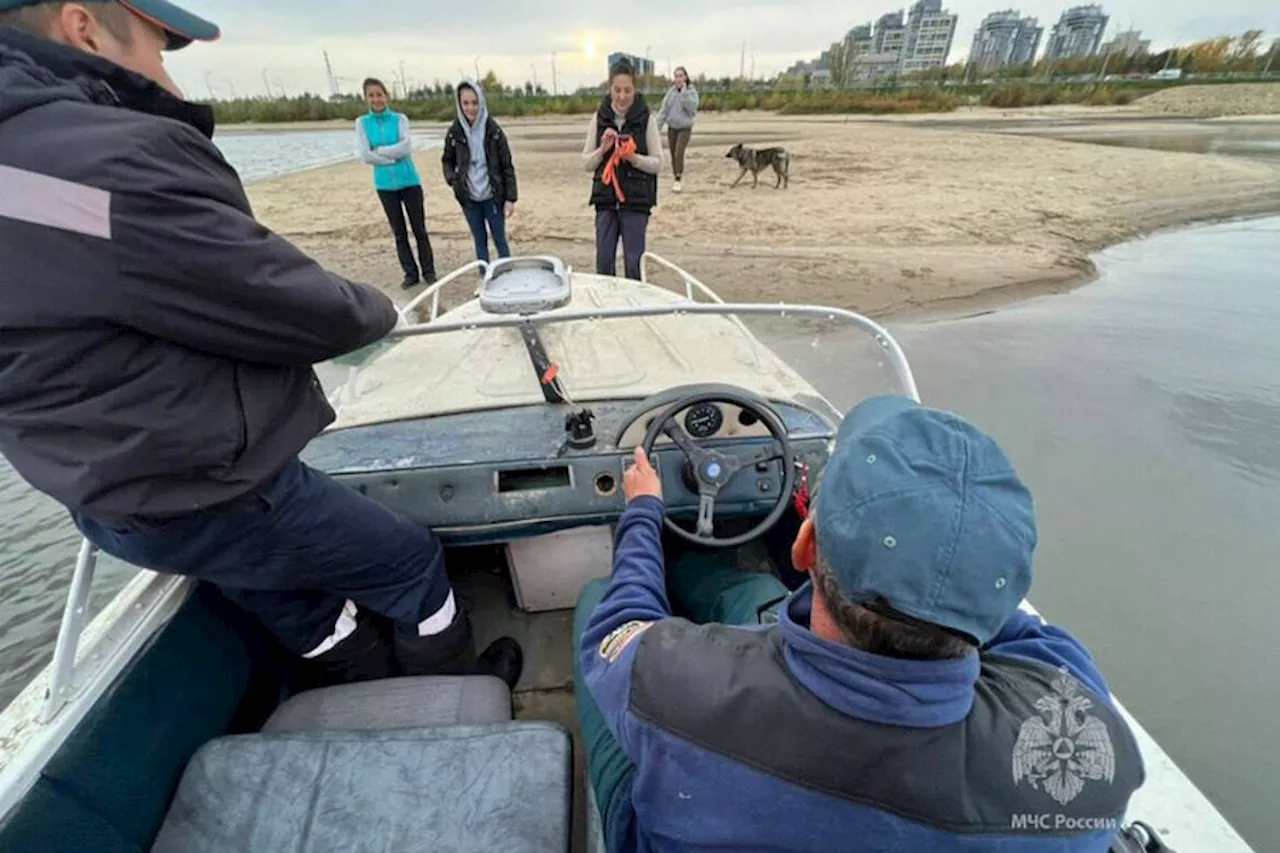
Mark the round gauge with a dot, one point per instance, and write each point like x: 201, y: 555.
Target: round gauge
x: 704, y: 420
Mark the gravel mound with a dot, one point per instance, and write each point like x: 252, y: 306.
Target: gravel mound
x: 1237, y: 99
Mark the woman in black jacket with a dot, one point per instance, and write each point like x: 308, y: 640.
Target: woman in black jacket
x: 477, y: 164
x: 623, y: 151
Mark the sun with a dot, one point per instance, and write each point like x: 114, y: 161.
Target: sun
x: 590, y: 48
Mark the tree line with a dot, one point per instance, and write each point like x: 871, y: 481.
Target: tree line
x: 928, y: 98
x: 1047, y: 81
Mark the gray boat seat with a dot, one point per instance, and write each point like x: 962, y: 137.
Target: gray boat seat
x: 396, y: 703
x: 380, y: 766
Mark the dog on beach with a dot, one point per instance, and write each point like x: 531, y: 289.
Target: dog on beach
x: 756, y: 161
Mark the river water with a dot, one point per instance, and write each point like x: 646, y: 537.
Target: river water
x: 264, y: 154
x: 1144, y: 412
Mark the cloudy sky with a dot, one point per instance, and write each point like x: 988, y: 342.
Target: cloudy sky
x: 284, y: 40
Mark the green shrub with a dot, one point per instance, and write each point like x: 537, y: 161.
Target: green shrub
x: 869, y: 102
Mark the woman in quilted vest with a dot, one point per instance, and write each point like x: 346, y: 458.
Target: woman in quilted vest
x: 623, y: 152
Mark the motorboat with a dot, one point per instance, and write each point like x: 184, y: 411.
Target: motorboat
x: 501, y: 416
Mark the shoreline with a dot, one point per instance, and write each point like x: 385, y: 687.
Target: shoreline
x: 888, y: 219
x: 997, y: 299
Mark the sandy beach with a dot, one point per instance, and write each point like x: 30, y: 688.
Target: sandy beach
x: 881, y: 217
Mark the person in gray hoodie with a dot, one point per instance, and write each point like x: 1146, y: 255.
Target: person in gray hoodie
x: 679, y: 109
x: 477, y: 165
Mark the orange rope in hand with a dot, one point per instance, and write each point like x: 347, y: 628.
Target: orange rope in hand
x: 624, y: 147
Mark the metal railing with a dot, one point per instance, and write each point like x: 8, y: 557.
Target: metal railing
x: 75, y: 616
x: 716, y: 307
x: 690, y: 282
x: 897, y: 359
x: 433, y: 292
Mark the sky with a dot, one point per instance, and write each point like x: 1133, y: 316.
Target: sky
x: 280, y: 44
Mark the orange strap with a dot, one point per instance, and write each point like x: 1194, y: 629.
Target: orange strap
x: 610, y: 175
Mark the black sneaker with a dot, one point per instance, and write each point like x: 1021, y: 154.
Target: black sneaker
x: 411, y: 281
x: 504, y: 658
x: 429, y: 277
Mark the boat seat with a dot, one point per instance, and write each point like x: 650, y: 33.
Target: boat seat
x: 503, y: 787
x: 423, y: 763
x: 396, y: 703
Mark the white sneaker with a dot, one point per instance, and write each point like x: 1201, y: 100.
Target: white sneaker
x: 675, y: 188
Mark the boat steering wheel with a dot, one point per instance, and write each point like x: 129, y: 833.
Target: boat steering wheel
x: 714, y: 469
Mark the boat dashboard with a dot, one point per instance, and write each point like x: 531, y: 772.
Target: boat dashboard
x: 497, y: 475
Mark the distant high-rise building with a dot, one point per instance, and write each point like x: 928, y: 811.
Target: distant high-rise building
x: 1027, y: 43
x: 859, y: 41
x: 930, y: 32
x: 993, y: 41
x: 1078, y: 33
x: 642, y: 66
x: 1005, y: 38
x: 890, y: 33
x: 1127, y: 44
x: 896, y: 44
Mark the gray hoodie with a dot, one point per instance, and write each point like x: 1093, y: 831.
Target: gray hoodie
x: 679, y: 109
x: 478, y: 186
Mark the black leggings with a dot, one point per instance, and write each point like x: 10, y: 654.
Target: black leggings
x: 396, y: 203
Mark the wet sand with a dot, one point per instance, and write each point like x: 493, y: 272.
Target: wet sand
x: 881, y: 217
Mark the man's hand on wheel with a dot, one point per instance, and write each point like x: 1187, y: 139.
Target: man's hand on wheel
x: 640, y: 479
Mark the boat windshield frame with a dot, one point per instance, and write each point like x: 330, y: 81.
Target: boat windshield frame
x: 438, y: 324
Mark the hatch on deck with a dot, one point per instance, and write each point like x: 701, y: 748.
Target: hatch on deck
x: 525, y: 286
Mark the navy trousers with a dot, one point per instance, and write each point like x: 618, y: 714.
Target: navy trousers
x: 630, y: 226
x: 292, y: 552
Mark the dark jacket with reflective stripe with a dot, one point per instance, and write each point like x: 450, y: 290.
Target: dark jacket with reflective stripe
x: 640, y: 187
x: 156, y: 341
x: 773, y: 739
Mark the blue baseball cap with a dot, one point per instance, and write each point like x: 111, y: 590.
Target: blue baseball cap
x: 181, y: 26
x: 922, y: 509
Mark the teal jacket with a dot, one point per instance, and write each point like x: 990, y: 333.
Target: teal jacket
x: 383, y: 140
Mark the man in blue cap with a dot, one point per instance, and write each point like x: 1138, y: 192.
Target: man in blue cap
x: 902, y: 701
x: 156, y: 352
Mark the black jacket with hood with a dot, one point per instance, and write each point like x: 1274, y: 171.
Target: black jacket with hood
x: 456, y: 158
x: 156, y: 341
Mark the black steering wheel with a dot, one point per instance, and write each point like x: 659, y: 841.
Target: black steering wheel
x: 714, y: 469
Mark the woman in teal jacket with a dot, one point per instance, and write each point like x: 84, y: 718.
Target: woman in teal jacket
x: 383, y: 141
